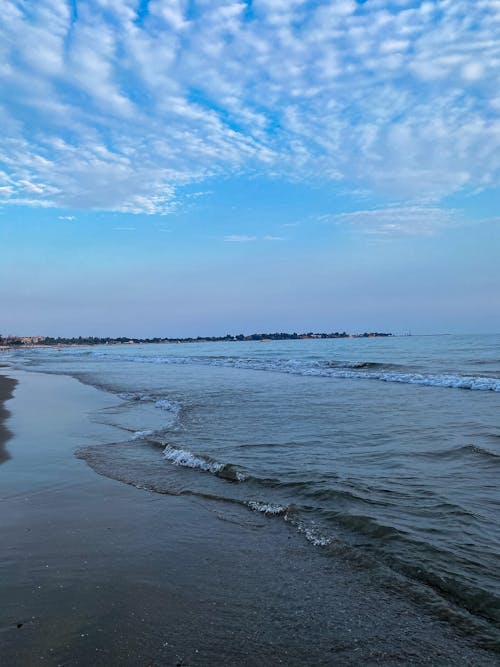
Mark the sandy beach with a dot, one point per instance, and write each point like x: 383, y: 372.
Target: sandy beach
x: 97, y: 572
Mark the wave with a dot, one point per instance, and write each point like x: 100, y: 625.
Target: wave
x: 483, y: 362
x: 142, y: 435
x: 269, y: 509
x: 159, y: 402
x: 186, y: 459
x: 372, y: 365
x: 313, y: 534
x: 458, y: 452
x: 481, y: 451
x: 371, y: 543
x: 165, y: 404
x: 332, y: 369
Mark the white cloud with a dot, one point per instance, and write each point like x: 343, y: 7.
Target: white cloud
x: 239, y: 238
x: 243, y: 238
x: 398, y: 220
x: 473, y: 71
x: 116, y: 111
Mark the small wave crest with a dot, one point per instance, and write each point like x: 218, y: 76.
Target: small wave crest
x: 312, y: 533
x: 461, y: 451
x: 269, y: 509
x: 481, y: 451
x: 165, y: 404
x: 186, y: 459
x: 158, y: 402
x: 315, y: 537
x: 308, y: 529
x: 367, y: 365
x: 142, y: 435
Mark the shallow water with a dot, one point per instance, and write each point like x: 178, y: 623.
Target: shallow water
x: 387, y: 449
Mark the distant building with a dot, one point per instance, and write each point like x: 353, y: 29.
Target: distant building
x: 32, y: 340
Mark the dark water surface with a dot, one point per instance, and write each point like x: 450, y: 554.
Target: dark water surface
x: 385, y: 450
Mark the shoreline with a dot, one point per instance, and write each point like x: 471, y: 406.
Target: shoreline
x: 98, y: 572
x: 28, y: 346
x: 7, y: 386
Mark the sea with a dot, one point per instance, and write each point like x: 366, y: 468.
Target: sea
x: 383, y: 451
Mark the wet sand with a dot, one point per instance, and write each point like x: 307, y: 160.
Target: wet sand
x: 6, y: 389
x: 95, y: 572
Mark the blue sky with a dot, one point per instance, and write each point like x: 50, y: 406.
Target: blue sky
x: 175, y: 167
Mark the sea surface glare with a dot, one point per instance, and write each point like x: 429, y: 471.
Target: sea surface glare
x: 384, y: 450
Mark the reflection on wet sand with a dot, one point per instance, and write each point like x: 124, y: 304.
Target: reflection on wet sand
x: 6, y: 389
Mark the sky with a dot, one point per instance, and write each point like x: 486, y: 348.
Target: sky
x: 203, y: 167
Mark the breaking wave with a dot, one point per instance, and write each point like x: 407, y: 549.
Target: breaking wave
x: 186, y: 459
x: 141, y: 435
x: 362, y: 370
x: 159, y: 402
x: 269, y: 509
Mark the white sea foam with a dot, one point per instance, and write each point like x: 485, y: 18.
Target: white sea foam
x: 131, y: 396
x: 267, y: 508
x: 310, y: 531
x: 165, y: 404
x: 139, y: 435
x: 313, y: 535
x: 181, y: 457
x: 186, y: 459
x: 316, y: 539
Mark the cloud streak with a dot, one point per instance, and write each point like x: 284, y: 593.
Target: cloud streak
x: 118, y: 107
x: 239, y: 238
x: 397, y: 220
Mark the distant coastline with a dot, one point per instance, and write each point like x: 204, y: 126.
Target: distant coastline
x: 12, y: 342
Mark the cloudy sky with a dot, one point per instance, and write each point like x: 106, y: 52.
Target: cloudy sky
x: 185, y: 167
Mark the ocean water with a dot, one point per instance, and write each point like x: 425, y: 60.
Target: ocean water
x: 385, y: 450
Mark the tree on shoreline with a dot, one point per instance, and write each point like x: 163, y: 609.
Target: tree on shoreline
x: 15, y: 341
